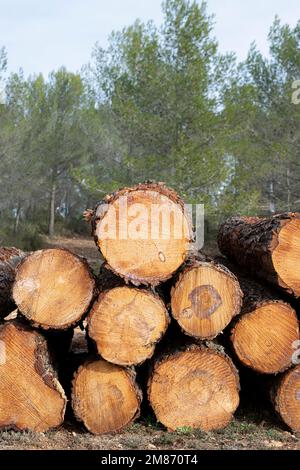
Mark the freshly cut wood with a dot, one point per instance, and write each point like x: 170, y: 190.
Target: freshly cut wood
x: 9, y: 259
x: 105, y: 396
x: 285, y: 395
x: 143, y: 232
x: 53, y: 288
x: 197, y: 388
x: 264, y: 334
x: 205, y: 298
x: 268, y: 248
x: 126, y: 323
x: 31, y: 396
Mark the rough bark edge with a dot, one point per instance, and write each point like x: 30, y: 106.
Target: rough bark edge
x: 206, y: 346
x: 199, y: 261
x: 274, y: 391
x: 44, y: 367
x: 78, y: 321
x: 131, y: 375
x: 102, y: 294
x: 10, y: 257
x: 271, y: 227
x: 94, y: 218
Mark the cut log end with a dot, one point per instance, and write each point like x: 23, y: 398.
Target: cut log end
x: 286, y: 398
x: 263, y: 338
x: 105, y: 397
x: 143, y: 233
x: 31, y: 398
x: 197, y: 388
x: 53, y: 288
x: 126, y: 323
x: 205, y: 299
x: 286, y: 256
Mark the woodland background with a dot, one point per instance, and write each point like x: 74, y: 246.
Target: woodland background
x: 159, y: 103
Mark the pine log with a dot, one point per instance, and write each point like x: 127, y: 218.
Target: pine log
x: 53, y: 288
x: 205, y: 298
x: 268, y: 248
x: 126, y: 323
x: 9, y: 259
x: 264, y: 333
x: 285, y: 396
x: 196, y: 388
x: 31, y: 397
x: 105, y: 396
x: 143, y: 232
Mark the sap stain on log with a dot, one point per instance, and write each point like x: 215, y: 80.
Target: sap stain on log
x: 205, y: 300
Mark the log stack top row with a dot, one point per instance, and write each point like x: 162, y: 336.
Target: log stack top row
x: 149, y: 280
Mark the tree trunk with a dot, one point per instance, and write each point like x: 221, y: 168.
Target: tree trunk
x: 17, y: 219
x: 264, y: 334
x: 9, y: 259
x: 52, y: 210
x: 126, y: 323
x: 143, y: 232
x: 268, y: 248
x: 105, y: 397
x: 54, y: 288
x: 196, y: 388
x: 31, y: 398
x: 285, y: 396
x: 205, y: 298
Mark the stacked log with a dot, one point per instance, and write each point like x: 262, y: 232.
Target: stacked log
x: 31, y: 397
x: 105, y: 397
x: 191, y: 321
x: 197, y: 388
x: 269, y: 248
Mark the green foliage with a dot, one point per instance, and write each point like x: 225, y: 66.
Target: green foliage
x: 158, y: 103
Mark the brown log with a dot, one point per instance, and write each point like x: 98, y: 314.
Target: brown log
x: 285, y: 396
x: 205, y: 298
x: 9, y: 259
x: 153, y: 253
x: 53, y: 288
x: 196, y: 388
x: 268, y: 248
x: 31, y: 397
x: 105, y: 396
x: 126, y: 323
x: 263, y: 335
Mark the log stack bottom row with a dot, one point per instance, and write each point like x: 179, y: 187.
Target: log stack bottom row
x: 161, y: 325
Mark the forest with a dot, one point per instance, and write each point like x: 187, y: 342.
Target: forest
x: 159, y: 103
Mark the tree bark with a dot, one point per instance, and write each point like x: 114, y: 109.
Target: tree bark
x: 268, y: 248
x: 285, y: 396
x: 9, y: 259
x: 52, y: 210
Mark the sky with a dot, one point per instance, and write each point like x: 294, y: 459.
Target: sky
x: 42, y: 35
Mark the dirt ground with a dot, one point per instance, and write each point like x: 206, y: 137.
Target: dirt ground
x: 241, y: 434
x: 259, y: 429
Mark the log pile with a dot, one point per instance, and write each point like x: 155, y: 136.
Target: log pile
x: 192, y: 322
